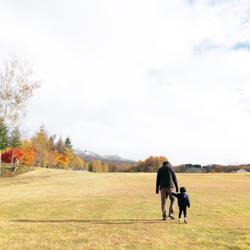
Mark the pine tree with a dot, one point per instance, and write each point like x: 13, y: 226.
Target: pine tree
x: 3, y: 140
x: 15, y: 138
x: 60, y: 146
x: 90, y: 167
x: 3, y: 135
x: 68, y: 143
x: 52, y: 145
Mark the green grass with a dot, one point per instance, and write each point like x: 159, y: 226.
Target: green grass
x: 57, y: 209
x: 7, y: 170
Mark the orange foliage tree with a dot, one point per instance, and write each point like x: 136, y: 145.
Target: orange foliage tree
x: 29, y: 153
x: 151, y: 164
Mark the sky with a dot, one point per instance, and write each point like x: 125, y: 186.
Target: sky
x: 138, y: 77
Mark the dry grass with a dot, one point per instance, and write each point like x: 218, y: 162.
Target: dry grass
x: 57, y: 209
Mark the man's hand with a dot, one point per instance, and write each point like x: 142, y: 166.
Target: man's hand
x: 157, y: 191
x: 177, y: 190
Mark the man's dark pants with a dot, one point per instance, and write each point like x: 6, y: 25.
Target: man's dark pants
x: 165, y: 193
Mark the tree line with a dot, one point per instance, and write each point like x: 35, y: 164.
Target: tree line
x: 49, y: 151
x: 150, y: 164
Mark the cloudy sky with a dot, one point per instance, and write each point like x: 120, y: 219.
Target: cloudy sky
x: 138, y: 77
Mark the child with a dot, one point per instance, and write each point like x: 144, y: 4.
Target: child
x: 183, y: 203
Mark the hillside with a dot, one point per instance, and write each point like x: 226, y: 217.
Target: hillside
x: 90, y: 156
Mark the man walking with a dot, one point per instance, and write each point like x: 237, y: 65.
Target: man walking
x: 166, y: 181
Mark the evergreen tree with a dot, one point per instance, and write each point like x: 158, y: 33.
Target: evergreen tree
x: 3, y: 135
x: 68, y: 143
x: 60, y: 146
x: 15, y: 138
x: 90, y: 167
x: 52, y: 143
x: 3, y: 140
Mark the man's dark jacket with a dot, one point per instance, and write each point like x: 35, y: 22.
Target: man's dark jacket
x: 166, y: 178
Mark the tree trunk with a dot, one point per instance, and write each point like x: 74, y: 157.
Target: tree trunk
x: 15, y: 168
x: 13, y: 161
x: 12, y: 156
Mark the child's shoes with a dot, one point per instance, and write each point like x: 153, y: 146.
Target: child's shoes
x: 185, y: 220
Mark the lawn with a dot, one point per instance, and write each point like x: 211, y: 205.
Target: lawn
x: 58, y: 209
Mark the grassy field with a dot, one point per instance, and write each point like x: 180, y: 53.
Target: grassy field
x: 57, y: 209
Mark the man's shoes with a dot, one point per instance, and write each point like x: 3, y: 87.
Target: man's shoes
x: 171, y: 217
x: 164, y: 218
x: 185, y: 220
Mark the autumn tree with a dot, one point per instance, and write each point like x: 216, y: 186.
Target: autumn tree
x: 17, y: 85
x: 64, y: 159
x: 98, y: 166
x: 52, y: 159
x: 151, y: 164
x: 105, y: 167
x: 29, y: 153
x: 77, y: 163
x: 41, y: 145
x: 95, y: 166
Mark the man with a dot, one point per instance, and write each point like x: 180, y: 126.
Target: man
x: 166, y: 181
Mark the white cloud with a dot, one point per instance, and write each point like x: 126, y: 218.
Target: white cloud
x: 138, y: 77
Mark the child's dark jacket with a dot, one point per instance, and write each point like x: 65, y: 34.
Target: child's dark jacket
x: 183, y: 199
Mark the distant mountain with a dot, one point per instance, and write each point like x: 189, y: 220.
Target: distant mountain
x: 90, y: 156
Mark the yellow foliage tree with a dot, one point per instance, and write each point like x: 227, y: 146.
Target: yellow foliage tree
x: 41, y: 144
x: 29, y: 156
x: 77, y: 162
x: 64, y: 159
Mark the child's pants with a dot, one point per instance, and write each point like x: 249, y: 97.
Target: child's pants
x: 184, y: 210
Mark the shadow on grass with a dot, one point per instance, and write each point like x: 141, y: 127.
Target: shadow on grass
x: 121, y: 221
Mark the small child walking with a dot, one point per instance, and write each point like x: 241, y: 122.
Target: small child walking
x: 183, y: 203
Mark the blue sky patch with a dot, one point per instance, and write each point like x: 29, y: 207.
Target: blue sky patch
x: 241, y: 45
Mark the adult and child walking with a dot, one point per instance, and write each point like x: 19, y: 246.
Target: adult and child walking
x: 166, y: 182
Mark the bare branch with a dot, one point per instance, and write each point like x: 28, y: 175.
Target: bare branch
x: 16, y: 87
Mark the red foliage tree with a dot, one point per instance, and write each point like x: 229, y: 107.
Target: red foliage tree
x: 8, y: 154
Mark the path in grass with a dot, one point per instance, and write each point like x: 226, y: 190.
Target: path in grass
x: 57, y: 209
